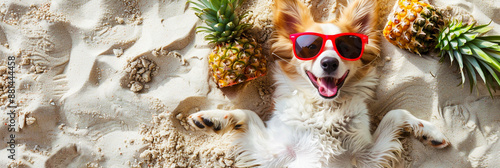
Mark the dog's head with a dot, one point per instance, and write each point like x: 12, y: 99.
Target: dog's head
x: 328, y: 74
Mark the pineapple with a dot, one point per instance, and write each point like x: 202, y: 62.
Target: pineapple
x: 235, y: 58
x: 418, y: 27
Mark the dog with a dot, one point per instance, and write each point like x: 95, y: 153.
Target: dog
x: 322, y: 79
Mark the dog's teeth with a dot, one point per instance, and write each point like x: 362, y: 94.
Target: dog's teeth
x: 318, y: 80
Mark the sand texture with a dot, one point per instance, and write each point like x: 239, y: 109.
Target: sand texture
x: 109, y: 83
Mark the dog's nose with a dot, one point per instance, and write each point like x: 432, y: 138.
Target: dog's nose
x: 329, y: 64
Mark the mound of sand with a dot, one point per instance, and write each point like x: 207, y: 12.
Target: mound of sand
x: 109, y: 83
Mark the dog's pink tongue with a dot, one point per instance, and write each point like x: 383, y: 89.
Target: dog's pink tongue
x: 327, y: 87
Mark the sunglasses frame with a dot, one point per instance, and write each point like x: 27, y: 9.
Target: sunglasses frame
x: 364, y: 41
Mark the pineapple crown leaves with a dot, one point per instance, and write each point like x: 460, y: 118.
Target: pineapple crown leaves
x: 474, y: 53
x: 222, y: 23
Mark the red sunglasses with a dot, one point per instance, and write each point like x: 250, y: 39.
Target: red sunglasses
x: 309, y: 45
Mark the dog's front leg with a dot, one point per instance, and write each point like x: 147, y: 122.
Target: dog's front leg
x: 221, y: 121
x: 402, y: 120
x: 252, y: 138
x: 255, y: 144
x: 394, y: 123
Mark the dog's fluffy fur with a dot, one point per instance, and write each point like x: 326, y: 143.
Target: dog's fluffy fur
x: 307, y: 129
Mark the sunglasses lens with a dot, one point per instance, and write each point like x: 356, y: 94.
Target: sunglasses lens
x: 308, y: 46
x: 349, y: 46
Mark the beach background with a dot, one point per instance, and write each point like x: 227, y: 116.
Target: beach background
x: 109, y: 83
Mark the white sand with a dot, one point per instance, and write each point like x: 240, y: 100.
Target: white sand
x: 76, y: 107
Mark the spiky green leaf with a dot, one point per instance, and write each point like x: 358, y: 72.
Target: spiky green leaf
x: 480, y: 26
x: 222, y: 9
x: 469, y: 36
x: 218, y: 27
x: 465, y: 50
x: 483, y: 29
x: 443, y: 33
x: 207, y: 18
x: 476, y: 66
x: 456, y: 24
x: 231, y: 17
x: 230, y: 26
x: 454, y: 44
x: 229, y: 10
x: 222, y: 39
x: 492, y: 72
x: 491, y: 78
x: 483, y: 56
x: 226, y: 33
x: 494, y: 54
x: 495, y: 39
x: 197, y: 11
x: 461, y: 41
x: 210, y: 12
x: 204, y: 29
x: 466, y: 29
x: 459, y: 59
x: 486, y: 44
x: 445, y: 45
x: 216, y: 4
x: 471, y: 73
x: 222, y: 19
x: 207, y: 4
x: 441, y: 54
x: 198, y: 5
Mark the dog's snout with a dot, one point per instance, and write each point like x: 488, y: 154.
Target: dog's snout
x: 329, y: 64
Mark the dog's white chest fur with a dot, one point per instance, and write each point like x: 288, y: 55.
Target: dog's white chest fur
x: 322, y: 131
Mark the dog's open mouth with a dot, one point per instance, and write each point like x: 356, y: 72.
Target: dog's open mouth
x: 328, y: 87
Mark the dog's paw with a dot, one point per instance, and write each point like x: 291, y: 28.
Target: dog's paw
x: 215, y: 120
x: 430, y: 135
x: 205, y: 120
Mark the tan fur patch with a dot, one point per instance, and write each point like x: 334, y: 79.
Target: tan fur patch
x: 289, y: 69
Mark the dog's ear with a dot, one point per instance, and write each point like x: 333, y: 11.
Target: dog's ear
x: 361, y: 16
x: 290, y: 17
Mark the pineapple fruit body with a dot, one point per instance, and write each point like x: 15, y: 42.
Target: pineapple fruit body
x: 233, y: 63
x: 414, y: 25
